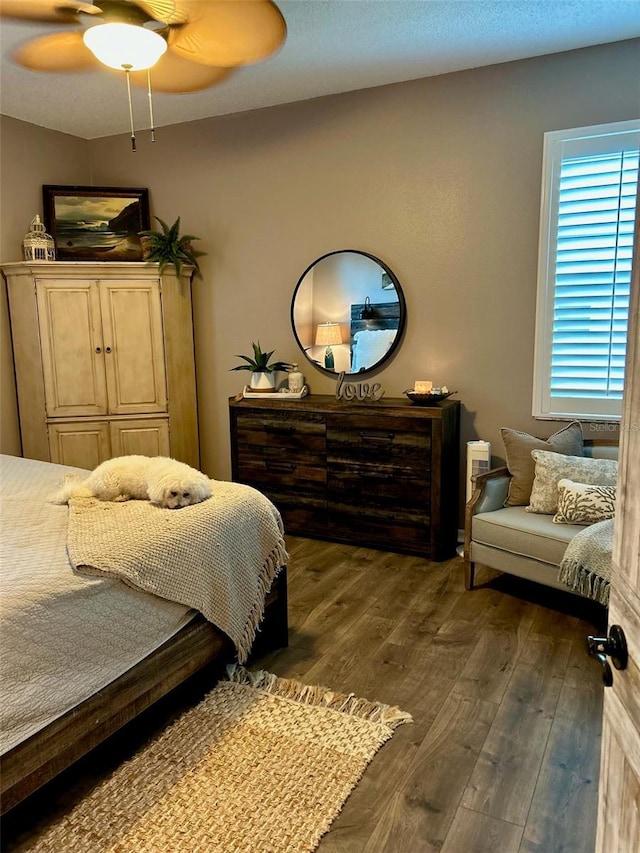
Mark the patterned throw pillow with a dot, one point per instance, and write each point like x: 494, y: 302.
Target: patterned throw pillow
x: 581, y: 503
x: 550, y: 468
x: 518, y: 446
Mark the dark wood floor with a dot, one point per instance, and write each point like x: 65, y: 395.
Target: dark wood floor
x: 503, y: 753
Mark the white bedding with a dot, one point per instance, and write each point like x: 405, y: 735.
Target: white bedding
x: 50, y: 616
x: 369, y: 346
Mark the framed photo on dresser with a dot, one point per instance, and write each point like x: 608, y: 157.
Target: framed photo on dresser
x: 96, y: 223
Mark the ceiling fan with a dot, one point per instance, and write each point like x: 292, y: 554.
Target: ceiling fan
x: 191, y: 44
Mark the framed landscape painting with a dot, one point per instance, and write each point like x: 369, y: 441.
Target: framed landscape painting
x: 96, y: 223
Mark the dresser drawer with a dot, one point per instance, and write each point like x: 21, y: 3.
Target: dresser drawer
x: 393, y: 531
x: 284, y: 467
x: 298, y: 432
x: 282, y: 450
x: 301, y: 513
x: 380, y: 485
x: 399, y: 442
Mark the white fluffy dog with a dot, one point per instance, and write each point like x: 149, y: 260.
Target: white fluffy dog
x: 159, y: 479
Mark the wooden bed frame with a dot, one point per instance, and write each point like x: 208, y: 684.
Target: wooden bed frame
x: 383, y: 315
x: 42, y: 756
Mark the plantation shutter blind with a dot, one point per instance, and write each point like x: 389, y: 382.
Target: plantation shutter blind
x: 591, y: 219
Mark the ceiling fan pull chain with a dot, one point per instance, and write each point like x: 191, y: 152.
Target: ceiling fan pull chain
x: 127, y: 69
x: 153, y: 129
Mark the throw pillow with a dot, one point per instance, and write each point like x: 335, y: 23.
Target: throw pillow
x: 580, y: 503
x: 550, y: 468
x: 518, y: 447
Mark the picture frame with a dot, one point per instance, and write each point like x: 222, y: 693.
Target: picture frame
x: 387, y: 282
x: 96, y: 223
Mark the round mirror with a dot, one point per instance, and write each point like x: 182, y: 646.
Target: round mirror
x: 348, y: 312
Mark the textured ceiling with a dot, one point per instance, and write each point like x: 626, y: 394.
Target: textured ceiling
x: 332, y: 46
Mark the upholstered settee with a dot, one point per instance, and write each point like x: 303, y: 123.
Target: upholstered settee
x: 512, y: 539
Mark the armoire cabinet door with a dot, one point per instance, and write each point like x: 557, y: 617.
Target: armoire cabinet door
x: 133, y: 347
x: 100, y: 342
x: 82, y: 444
x: 72, y: 348
x: 147, y: 437
x: 85, y: 444
x: 102, y: 347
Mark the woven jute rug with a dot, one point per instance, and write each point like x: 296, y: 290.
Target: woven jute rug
x: 261, y: 765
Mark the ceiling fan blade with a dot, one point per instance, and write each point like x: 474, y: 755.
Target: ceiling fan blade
x: 166, y: 11
x: 55, y: 11
x: 175, y: 75
x: 228, y: 32
x: 57, y: 52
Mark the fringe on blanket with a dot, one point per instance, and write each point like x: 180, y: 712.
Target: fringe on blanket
x: 587, y: 583
x: 270, y: 569
x: 319, y: 696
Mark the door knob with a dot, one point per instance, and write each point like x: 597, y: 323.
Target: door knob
x: 613, y: 646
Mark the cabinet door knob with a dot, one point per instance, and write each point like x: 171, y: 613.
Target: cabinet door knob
x: 107, y: 349
x: 98, y: 349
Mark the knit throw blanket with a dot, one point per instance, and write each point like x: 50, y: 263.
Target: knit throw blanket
x: 219, y: 556
x: 586, y: 565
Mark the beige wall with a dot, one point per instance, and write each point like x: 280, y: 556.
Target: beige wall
x: 438, y: 177
x: 29, y: 157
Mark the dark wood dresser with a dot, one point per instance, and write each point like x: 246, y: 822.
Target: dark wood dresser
x: 384, y: 474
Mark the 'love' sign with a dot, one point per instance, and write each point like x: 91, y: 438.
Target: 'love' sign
x: 361, y: 391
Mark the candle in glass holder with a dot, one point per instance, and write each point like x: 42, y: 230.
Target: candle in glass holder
x: 422, y: 386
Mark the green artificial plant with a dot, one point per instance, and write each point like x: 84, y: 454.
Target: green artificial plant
x: 168, y: 247
x: 260, y: 361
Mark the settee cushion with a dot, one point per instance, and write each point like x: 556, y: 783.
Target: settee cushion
x: 550, y: 468
x: 580, y: 503
x: 517, y: 531
x: 518, y: 446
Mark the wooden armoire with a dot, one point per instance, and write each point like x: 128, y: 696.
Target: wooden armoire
x: 104, y: 361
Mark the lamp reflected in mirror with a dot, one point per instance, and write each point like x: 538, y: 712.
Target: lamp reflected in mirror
x: 328, y: 335
x: 367, y: 311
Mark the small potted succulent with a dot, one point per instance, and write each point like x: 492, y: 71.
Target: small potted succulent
x: 262, y: 372
x: 168, y: 247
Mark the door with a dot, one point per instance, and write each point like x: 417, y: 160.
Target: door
x: 147, y: 437
x: 83, y: 444
x: 133, y: 347
x: 72, y: 349
x: 619, y: 793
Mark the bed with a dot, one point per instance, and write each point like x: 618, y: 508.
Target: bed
x: 82, y: 654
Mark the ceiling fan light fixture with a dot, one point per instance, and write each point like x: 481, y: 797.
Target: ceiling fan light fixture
x: 127, y: 46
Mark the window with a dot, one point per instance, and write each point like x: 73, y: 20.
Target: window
x: 589, y: 191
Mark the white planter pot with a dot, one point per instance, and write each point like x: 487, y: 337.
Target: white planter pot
x: 261, y: 381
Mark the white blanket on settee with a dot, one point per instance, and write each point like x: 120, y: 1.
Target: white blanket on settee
x: 586, y: 565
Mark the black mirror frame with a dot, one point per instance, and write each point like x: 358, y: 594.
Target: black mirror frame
x: 402, y: 321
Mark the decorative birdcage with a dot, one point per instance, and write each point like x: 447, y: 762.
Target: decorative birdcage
x: 37, y: 244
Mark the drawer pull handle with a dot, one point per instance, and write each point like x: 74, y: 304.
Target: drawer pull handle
x: 382, y: 516
x: 376, y: 436
x: 279, y: 430
x: 374, y: 475
x: 280, y: 466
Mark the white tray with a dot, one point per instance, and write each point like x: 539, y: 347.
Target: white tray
x: 285, y: 394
